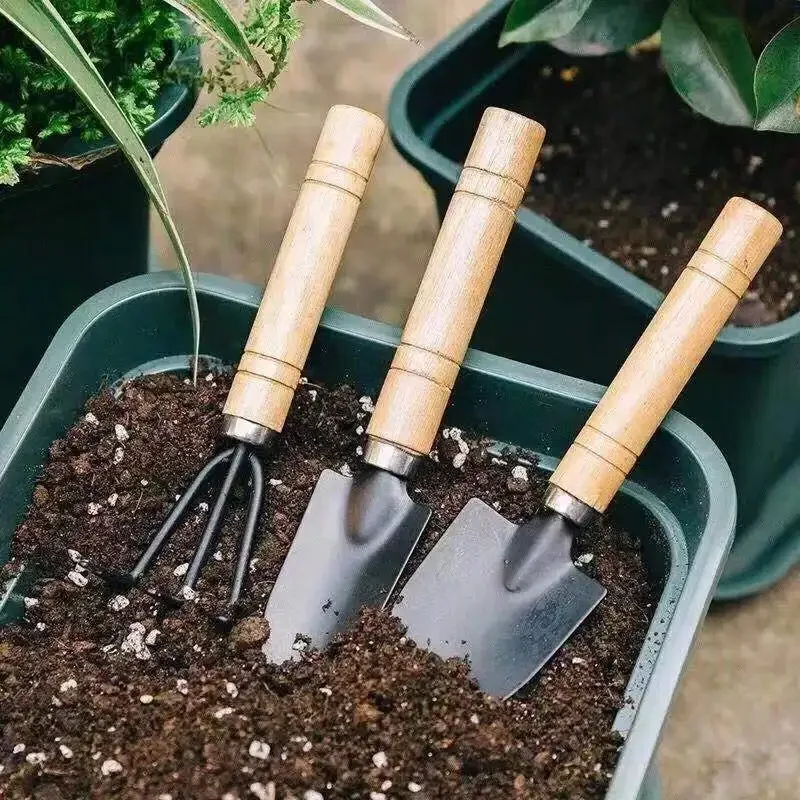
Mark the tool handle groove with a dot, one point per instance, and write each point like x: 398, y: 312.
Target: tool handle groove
x: 307, y: 261
x: 668, y: 352
x: 473, y: 235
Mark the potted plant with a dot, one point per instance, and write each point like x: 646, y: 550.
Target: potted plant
x: 74, y: 216
x: 643, y: 142
x: 679, y: 502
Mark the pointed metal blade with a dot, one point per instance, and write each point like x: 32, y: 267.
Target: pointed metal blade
x: 353, y: 543
x: 505, y: 596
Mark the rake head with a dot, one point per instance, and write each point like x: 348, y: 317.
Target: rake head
x: 234, y: 457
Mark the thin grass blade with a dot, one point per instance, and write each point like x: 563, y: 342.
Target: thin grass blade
x: 217, y: 19
x: 368, y: 13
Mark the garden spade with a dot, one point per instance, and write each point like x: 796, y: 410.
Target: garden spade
x: 508, y: 596
x: 357, y: 533
x: 276, y: 350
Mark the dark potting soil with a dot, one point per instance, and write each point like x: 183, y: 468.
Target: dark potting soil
x: 630, y: 169
x: 110, y: 696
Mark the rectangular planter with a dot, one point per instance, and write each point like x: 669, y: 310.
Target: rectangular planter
x: 680, y: 500
x: 558, y: 304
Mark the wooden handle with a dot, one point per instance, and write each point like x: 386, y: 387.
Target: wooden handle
x: 668, y: 352
x: 304, y: 270
x: 461, y: 267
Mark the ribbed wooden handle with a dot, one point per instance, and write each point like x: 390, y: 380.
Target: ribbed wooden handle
x: 461, y: 267
x: 668, y: 352
x: 304, y: 270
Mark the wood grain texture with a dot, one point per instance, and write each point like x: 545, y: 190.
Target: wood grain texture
x: 306, y: 265
x: 473, y: 235
x: 668, y: 352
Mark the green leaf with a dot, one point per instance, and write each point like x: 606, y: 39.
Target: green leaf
x: 368, y: 13
x: 709, y: 60
x: 777, y: 82
x: 609, y: 26
x: 44, y: 26
x: 216, y: 18
x: 541, y: 20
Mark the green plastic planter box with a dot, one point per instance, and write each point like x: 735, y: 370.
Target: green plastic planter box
x: 558, y: 304
x: 65, y: 234
x: 681, y: 499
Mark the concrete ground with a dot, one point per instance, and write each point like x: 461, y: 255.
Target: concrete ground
x: 735, y: 726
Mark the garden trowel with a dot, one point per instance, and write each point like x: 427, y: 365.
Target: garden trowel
x: 358, y: 532
x: 508, y: 596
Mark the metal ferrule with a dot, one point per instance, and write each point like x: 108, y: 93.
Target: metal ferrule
x: 569, y: 507
x: 390, y: 457
x: 242, y: 430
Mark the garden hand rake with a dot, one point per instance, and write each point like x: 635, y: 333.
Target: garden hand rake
x: 276, y: 350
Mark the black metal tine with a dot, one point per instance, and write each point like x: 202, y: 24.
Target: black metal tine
x: 212, y: 527
x: 178, y: 510
x: 247, y: 540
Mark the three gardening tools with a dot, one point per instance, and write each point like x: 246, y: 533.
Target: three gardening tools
x: 358, y: 533
x: 508, y: 596
x: 276, y: 350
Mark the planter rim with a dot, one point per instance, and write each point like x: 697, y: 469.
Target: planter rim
x: 415, y: 146
x: 704, y: 567
x: 173, y: 104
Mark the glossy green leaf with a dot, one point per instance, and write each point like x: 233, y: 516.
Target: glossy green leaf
x: 368, y: 13
x: 541, y: 20
x: 217, y: 19
x: 777, y: 82
x: 709, y: 60
x: 612, y: 25
x: 44, y: 26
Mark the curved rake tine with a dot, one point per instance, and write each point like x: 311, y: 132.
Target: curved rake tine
x: 210, y: 534
x: 248, y: 538
x: 178, y: 510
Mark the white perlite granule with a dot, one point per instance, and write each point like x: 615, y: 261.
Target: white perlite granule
x: 110, y: 766
x: 68, y: 685
x: 78, y: 579
x: 259, y: 750
x: 121, y: 433
x: 519, y: 474
x: 65, y: 751
x: 263, y: 792
x: 134, y: 642
x: 118, y: 603
x: 380, y: 760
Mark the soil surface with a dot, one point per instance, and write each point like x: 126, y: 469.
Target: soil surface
x: 631, y: 170
x: 110, y: 696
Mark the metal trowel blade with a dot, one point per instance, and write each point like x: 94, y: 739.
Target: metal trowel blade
x: 505, y: 596
x: 353, y: 543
